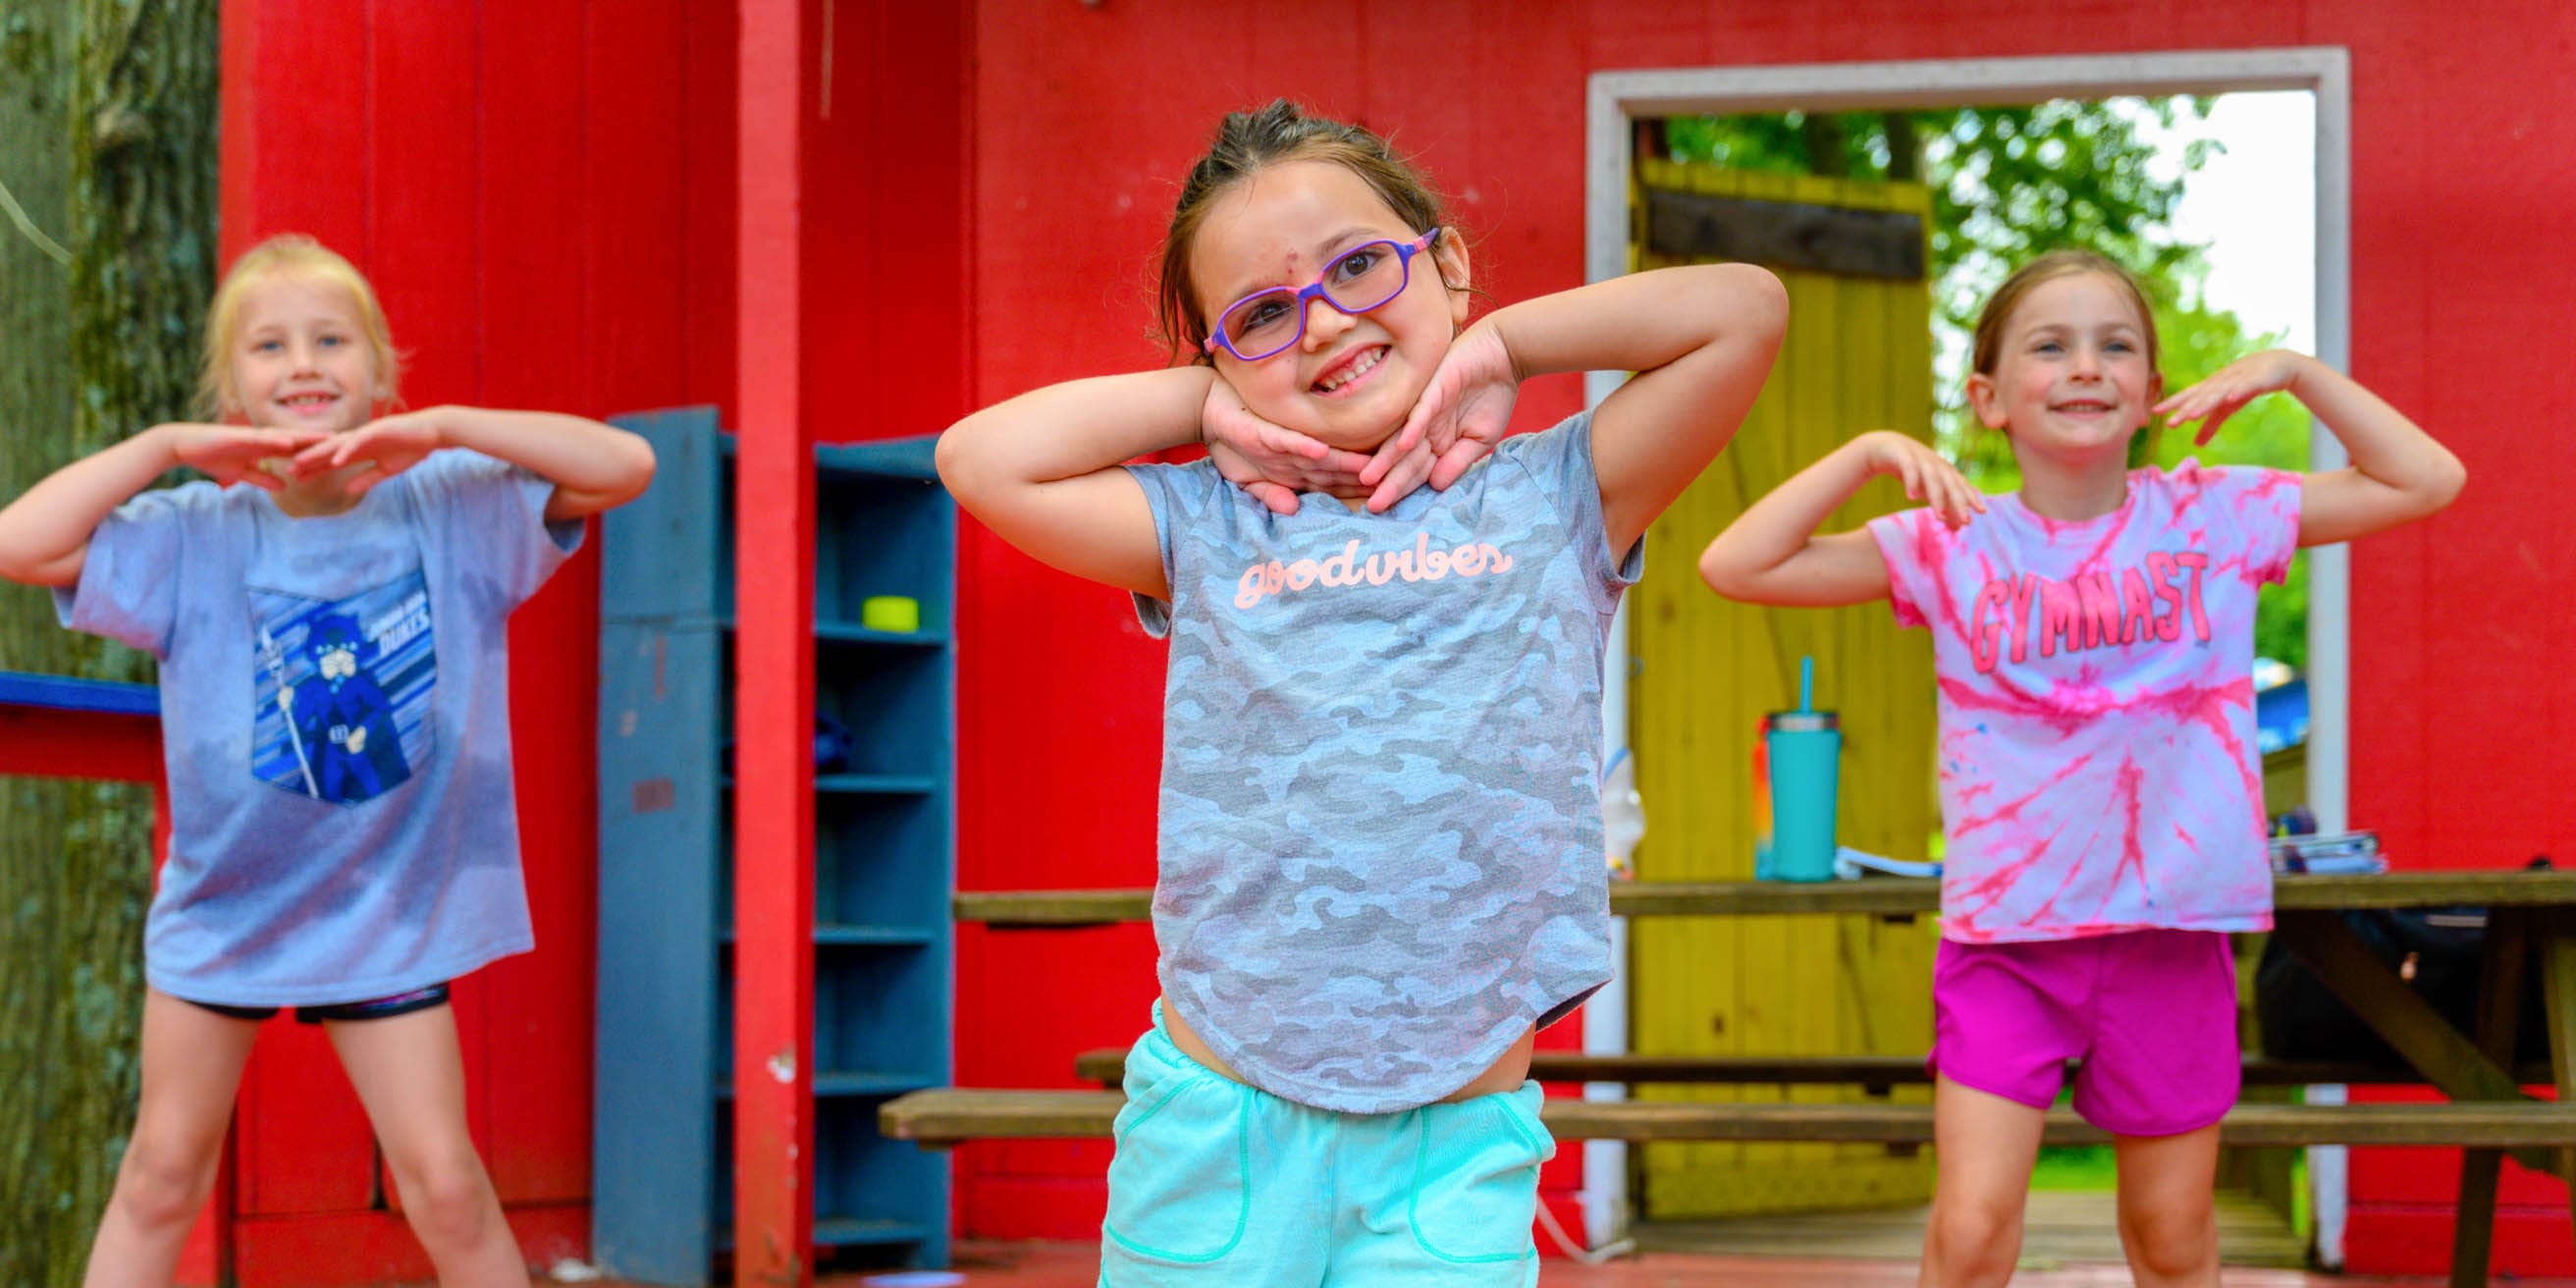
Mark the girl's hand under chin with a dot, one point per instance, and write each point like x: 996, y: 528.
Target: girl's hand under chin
x: 1462, y: 413
x: 231, y: 454
x: 1275, y: 464
x: 388, y: 446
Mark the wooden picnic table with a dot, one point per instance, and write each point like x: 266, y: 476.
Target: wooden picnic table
x: 2531, y: 913
x: 1881, y: 896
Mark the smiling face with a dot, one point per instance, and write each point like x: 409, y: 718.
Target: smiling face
x: 1349, y: 381
x: 300, y: 357
x: 2072, y: 375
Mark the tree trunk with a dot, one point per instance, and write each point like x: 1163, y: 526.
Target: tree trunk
x: 107, y: 140
x: 1822, y: 133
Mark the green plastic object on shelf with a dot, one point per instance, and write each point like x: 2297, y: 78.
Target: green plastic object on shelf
x: 895, y: 614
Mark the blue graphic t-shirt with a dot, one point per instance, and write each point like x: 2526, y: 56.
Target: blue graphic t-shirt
x: 1380, y: 853
x: 335, y: 721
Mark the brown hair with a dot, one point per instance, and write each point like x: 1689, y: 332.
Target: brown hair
x: 287, y: 255
x: 2048, y: 268
x: 1247, y: 143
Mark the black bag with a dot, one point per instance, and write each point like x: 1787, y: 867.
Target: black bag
x: 2437, y: 951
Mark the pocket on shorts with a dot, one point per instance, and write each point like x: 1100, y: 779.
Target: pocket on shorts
x: 1475, y: 1176
x: 1180, y: 1184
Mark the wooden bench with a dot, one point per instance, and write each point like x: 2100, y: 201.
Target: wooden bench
x: 946, y: 1116
x: 1877, y: 1074
x: 1886, y: 897
x: 2532, y: 916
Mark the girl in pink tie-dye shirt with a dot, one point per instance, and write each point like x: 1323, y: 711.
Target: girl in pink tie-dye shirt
x: 2101, y: 799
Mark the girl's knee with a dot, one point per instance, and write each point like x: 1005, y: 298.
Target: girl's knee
x: 446, y: 1194
x: 161, y: 1184
x: 1970, y: 1232
x: 2170, y: 1239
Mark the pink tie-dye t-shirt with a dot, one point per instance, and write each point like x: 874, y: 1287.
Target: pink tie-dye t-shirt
x: 2098, y: 764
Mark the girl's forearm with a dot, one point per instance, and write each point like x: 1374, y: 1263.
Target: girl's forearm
x: 1634, y: 323
x: 1777, y: 528
x: 45, y: 528
x: 2384, y: 444
x: 1079, y: 427
x: 573, y: 453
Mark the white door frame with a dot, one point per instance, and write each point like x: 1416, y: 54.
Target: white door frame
x: 1616, y: 98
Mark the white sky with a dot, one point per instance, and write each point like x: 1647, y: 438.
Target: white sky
x: 2254, y: 205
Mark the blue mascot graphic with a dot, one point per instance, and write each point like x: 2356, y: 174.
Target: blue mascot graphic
x: 339, y: 719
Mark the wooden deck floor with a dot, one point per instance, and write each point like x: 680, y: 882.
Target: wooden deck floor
x: 2059, y: 1229
x: 1068, y: 1265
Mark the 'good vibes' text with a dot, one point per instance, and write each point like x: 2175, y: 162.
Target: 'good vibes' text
x: 1419, y: 562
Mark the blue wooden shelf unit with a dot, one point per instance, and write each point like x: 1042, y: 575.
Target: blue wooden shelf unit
x: 884, y: 857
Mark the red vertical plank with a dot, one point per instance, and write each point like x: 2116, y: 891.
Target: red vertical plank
x: 774, y: 681
x: 2391, y: 294
x: 296, y: 150
x: 423, y: 241
x: 707, y: 135
x: 885, y: 240
x: 305, y: 1145
x: 2484, y: 719
x: 422, y: 254
x: 237, y: 199
x: 632, y: 113
x: 302, y: 134
x: 531, y: 325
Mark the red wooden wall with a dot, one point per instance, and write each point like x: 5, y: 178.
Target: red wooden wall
x: 542, y: 193
x: 2464, y: 737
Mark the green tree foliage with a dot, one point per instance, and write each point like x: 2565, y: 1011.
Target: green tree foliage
x: 107, y: 144
x: 2008, y: 183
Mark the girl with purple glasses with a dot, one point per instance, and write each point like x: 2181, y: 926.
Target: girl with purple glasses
x: 1379, y: 868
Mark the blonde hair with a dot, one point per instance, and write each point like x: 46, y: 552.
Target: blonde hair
x: 2039, y: 272
x: 287, y: 255
x: 1247, y: 143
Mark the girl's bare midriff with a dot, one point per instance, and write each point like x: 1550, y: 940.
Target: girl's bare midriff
x: 1506, y: 1074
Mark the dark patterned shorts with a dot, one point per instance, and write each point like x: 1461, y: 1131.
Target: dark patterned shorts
x: 418, y: 999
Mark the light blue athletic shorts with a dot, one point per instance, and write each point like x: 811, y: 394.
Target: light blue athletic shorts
x: 1215, y: 1182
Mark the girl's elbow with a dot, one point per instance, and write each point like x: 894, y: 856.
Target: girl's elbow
x: 30, y: 569
x: 18, y: 563
x: 640, y: 469
x: 1722, y: 574
x: 1765, y: 310
x: 953, y: 457
x: 2447, y: 482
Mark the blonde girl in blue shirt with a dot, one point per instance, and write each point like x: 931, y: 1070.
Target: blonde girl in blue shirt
x: 330, y: 618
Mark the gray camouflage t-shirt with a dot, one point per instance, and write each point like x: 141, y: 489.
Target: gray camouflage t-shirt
x: 335, y: 719
x: 1380, y: 853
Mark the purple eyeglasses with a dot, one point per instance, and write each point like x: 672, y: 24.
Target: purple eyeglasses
x: 1358, y: 279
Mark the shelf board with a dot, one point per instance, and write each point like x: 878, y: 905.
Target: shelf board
x: 876, y: 784
x: 868, y: 784
x: 834, y: 1083
x: 853, y: 633
x: 892, y: 458
x: 848, y: 1232
x: 864, y: 936
x: 840, y: 632
x: 851, y: 1232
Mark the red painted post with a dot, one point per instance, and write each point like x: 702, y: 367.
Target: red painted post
x: 774, y: 677
x: 44, y: 742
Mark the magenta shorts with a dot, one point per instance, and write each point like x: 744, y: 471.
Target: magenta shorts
x: 2150, y: 1013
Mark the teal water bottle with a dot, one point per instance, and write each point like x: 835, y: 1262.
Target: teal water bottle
x: 1802, y: 751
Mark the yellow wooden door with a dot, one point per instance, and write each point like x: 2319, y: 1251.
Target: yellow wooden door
x: 1857, y: 357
